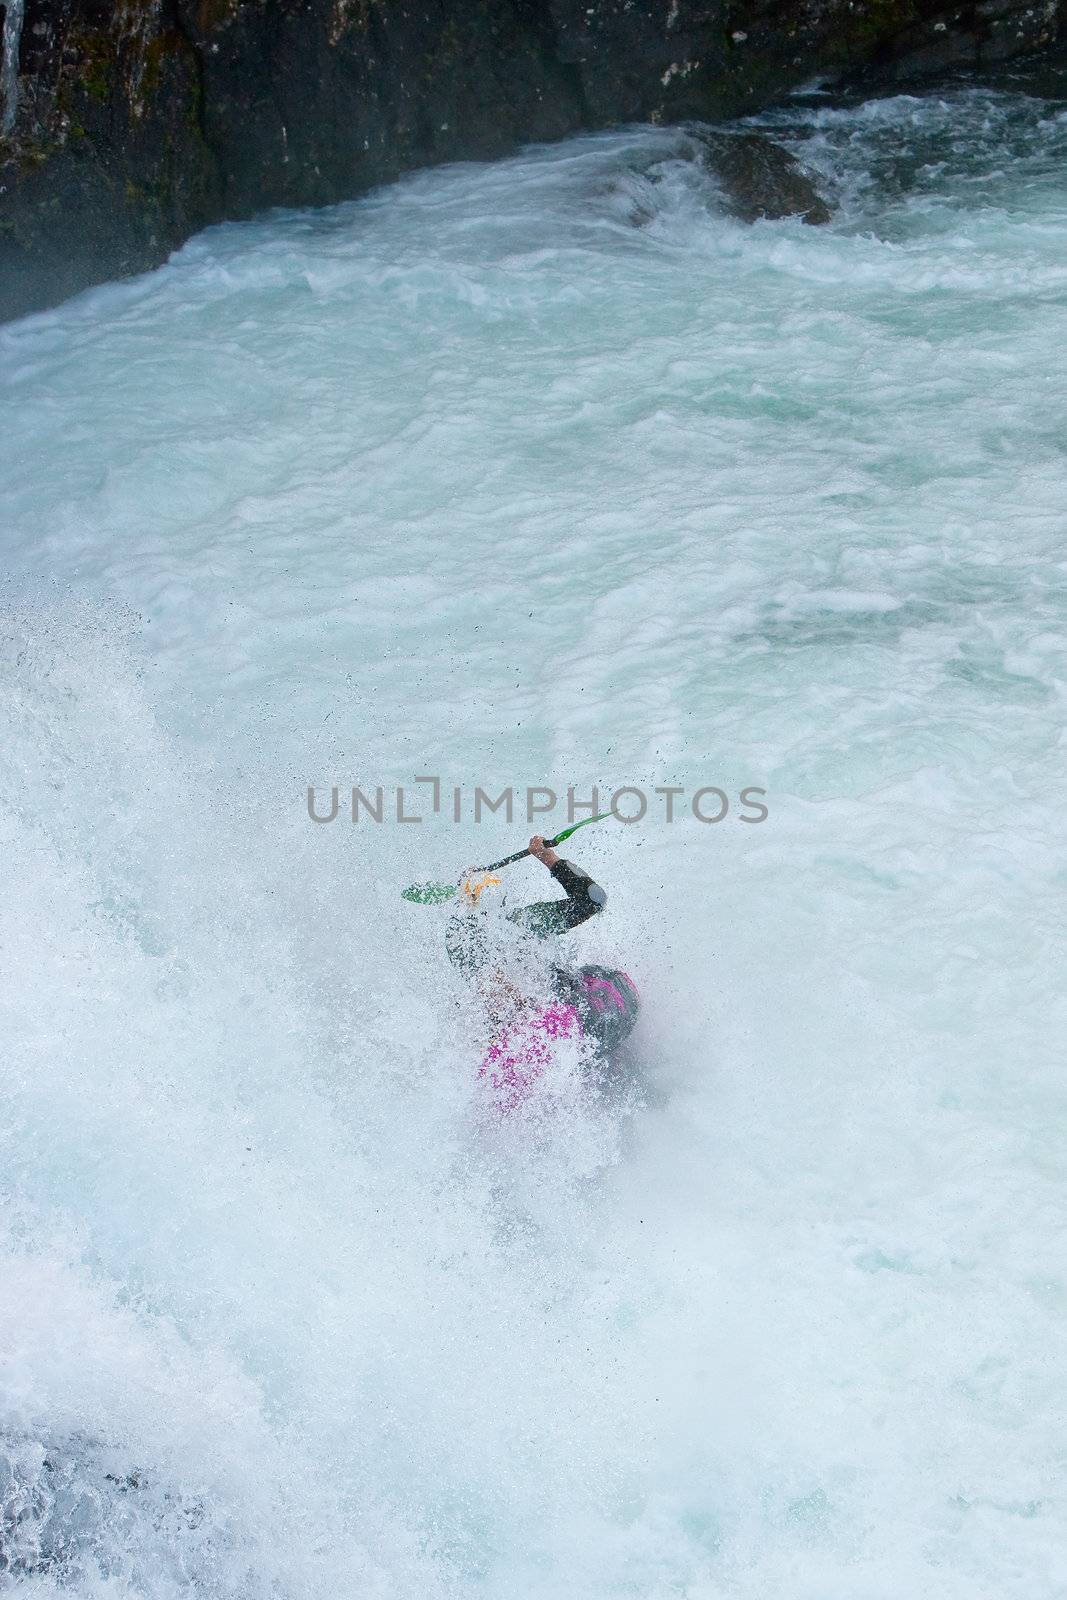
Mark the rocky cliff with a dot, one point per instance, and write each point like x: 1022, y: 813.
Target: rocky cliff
x: 125, y: 125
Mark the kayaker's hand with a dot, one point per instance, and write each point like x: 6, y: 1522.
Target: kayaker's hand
x: 542, y: 851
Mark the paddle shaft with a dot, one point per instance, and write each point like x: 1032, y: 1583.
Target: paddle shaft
x: 550, y: 844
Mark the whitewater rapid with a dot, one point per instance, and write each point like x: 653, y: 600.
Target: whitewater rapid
x: 546, y: 472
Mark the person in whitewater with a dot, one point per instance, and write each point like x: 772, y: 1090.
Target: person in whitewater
x: 531, y: 1004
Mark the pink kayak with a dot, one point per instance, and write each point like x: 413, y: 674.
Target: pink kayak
x: 520, y: 1053
x: 604, y: 1010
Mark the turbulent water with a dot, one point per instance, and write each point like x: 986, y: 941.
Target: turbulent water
x: 547, y: 472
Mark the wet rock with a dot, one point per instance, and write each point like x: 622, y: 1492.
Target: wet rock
x: 130, y: 126
x: 761, y: 179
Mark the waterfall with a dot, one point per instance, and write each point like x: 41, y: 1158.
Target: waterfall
x: 9, y: 66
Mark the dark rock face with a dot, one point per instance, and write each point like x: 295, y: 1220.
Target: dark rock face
x: 761, y: 180
x: 137, y: 122
x: 140, y: 122
x: 107, y: 167
x: 308, y: 103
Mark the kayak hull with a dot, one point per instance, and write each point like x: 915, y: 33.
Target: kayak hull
x: 597, y: 1003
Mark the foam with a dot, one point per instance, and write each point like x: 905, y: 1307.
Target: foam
x: 547, y: 471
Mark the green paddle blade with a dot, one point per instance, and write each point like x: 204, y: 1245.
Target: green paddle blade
x: 429, y: 894
x: 583, y: 824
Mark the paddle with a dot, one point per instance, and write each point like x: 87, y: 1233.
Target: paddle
x: 432, y: 894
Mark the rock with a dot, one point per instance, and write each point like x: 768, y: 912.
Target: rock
x: 761, y: 179
x: 136, y: 124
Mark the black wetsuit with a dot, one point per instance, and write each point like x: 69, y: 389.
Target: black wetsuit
x: 549, y: 917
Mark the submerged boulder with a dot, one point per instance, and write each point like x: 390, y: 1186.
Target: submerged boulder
x: 761, y: 179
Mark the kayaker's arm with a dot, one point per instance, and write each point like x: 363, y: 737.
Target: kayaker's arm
x: 584, y: 897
